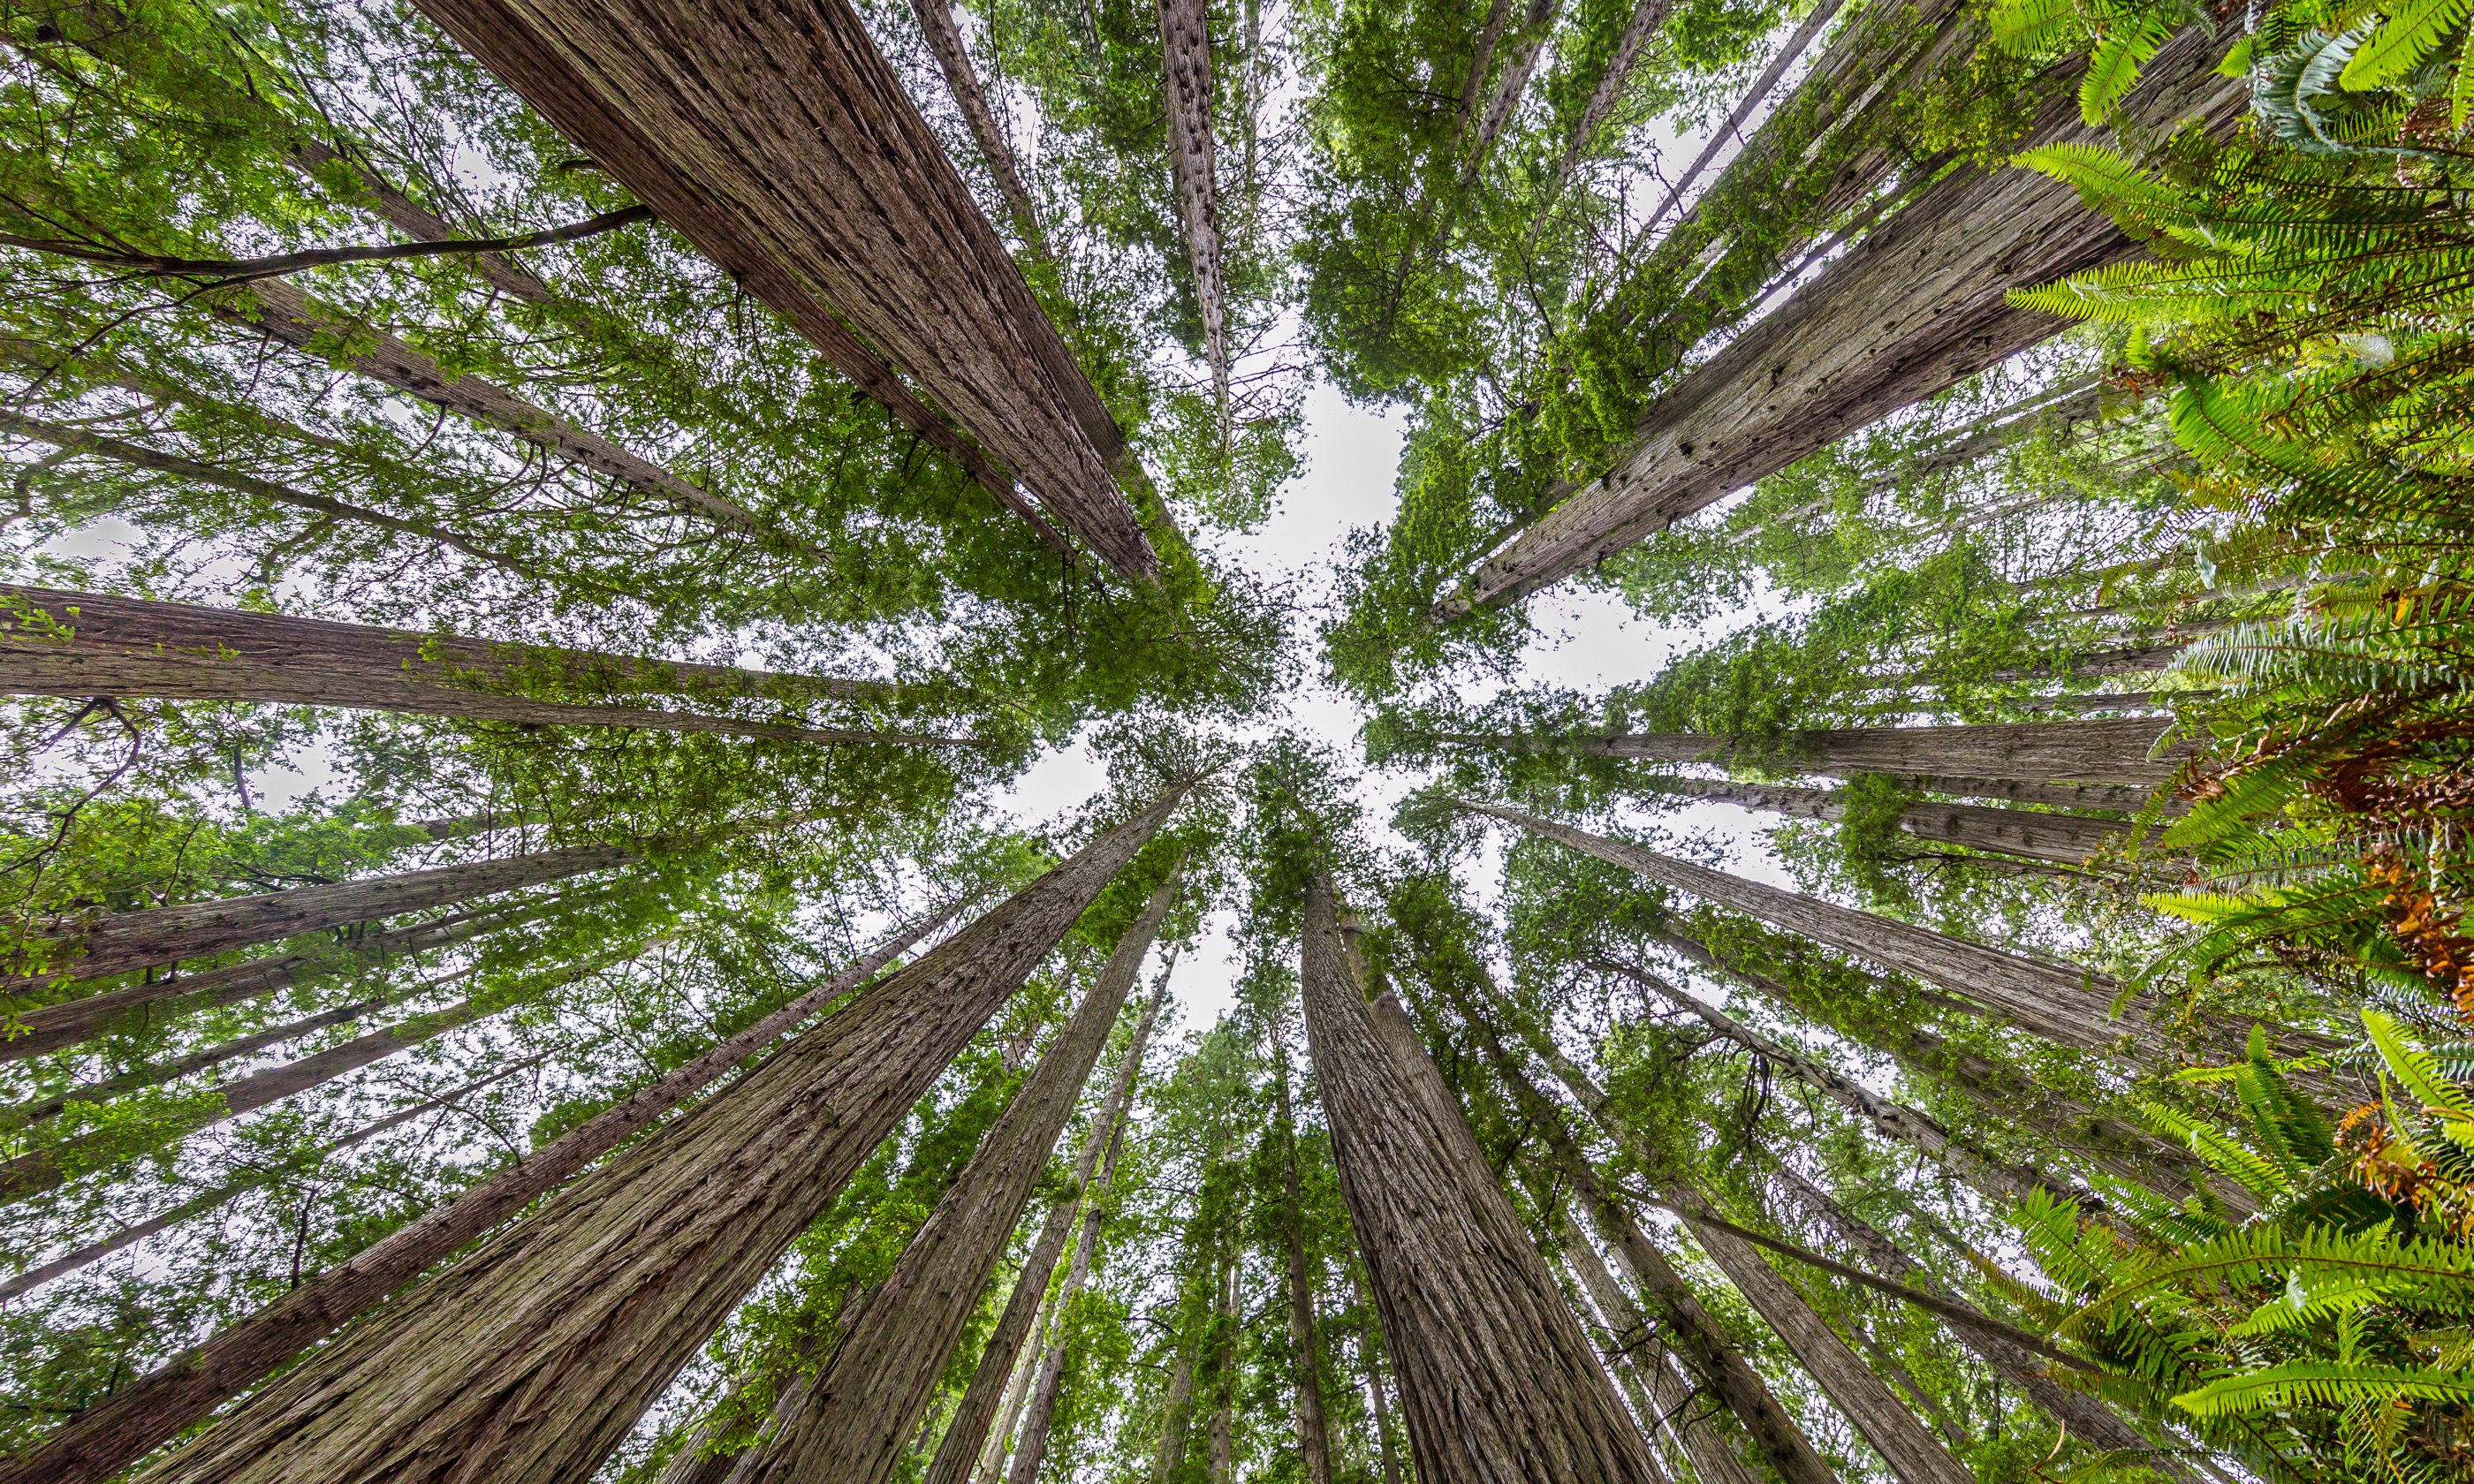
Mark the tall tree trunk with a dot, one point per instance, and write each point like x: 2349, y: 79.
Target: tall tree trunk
x: 992, y: 1454
x: 1173, y: 1413
x: 1370, y: 1354
x: 1030, y: 1445
x: 2110, y: 753
x: 59, y: 1162
x: 1228, y: 1313
x: 157, y: 936
x: 1915, y: 1456
x: 2065, y: 839
x: 871, y: 1392
x: 208, y: 1200
x: 2068, y: 1006
x: 50, y: 1027
x: 1646, y: 18
x: 1314, y: 1432
x: 1733, y: 128
x: 1496, y: 1379
x: 1535, y: 26
x: 1688, y: 1432
x: 1999, y: 1181
x: 714, y: 120
x: 962, y: 80
x: 470, y: 1371
x: 1717, y: 1365
x: 1186, y: 52
x: 2086, y: 1418
x: 968, y: 1430
x: 1915, y: 307
x: 152, y: 1074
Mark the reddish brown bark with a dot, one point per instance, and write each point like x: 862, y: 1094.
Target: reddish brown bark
x: 1496, y: 1379
x: 1185, y: 54
x: 962, y: 80
x: 862, y: 1407
x: 781, y: 144
x: 1732, y: 126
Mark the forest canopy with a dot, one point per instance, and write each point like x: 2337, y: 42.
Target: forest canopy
x: 547, y: 544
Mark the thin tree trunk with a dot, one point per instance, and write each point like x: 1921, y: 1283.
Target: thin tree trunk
x: 1999, y: 1181
x: 1716, y: 1363
x: 2070, y: 1006
x: 962, y: 80
x: 1802, y: 37
x: 286, y: 314
x: 1535, y: 25
x: 60, y: 1162
x: 968, y: 1430
x: 205, y: 1201
x: 1496, y: 1379
x: 1646, y: 18
x: 2065, y: 839
x: 873, y: 1390
x: 2111, y: 753
x: 1186, y: 52
x: 1314, y: 1432
x: 1173, y: 1410
x: 106, y: 1439
x: 1228, y: 1312
x: 2086, y: 1418
x: 157, y: 936
x: 994, y: 1454
x: 50, y: 1027
x: 1030, y: 1445
x: 1640, y: 1353
x: 151, y: 1074
x: 1915, y: 307
x: 1370, y: 1354
x: 715, y: 119
x: 1915, y: 1456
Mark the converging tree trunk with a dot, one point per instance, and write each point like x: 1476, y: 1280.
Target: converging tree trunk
x: 2086, y: 1418
x: 2071, y: 1006
x: 716, y: 121
x: 1646, y: 18
x: 945, y: 42
x: 1535, y: 25
x: 1496, y: 1379
x: 1371, y: 1355
x: 59, y: 1163
x: 966, y: 1434
x: 155, y: 935
x: 50, y: 1027
x: 2064, y: 839
x: 209, y: 1200
x: 1186, y: 52
x: 1915, y: 307
x: 2109, y: 752
x: 1305, y: 1349
x: 850, y: 1423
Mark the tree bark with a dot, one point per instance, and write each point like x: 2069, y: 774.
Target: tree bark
x: 1801, y: 37
x: 1640, y: 1352
x: 1915, y: 1456
x: 2110, y: 752
x: 1496, y: 1379
x: 1314, y: 1432
x: 968, y: 1430
x: 2086, y: 1418
x: 1913, y: 308
x: 781, y: 143
x: 2063, y: 839
x: 56, y: 1164
x: 1370, y: 1353
x: 962, y: 80
x: 2070, y: 1006
x: 617, y: 1281
x: 1716, y: 1363
x: 157, y: 936
x: 205, y: 1201
x: 1646, y: 18
x: 1173, y: 1410
x: 1186, y: 52
x: 1535, y: 26
x: 1228, y: 1312
x: 863, y: 1405
x: 50, y: 1027
x: 1030, y: 1444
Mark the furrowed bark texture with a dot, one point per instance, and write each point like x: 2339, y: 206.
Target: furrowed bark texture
x: 1688, y: 1431
x: 166, y: 935
x: 2087, y: 1419
x: 1913, y: 308
x: 531, y: 1357
x: 862, y: 1407
x: 1496, y: 1379
x: 1372, y: 1353
x: 778, y: 140
x: 1716, y: 1364
x: 962, y: 80
x: 284, y: 314
x: 2068, y: 1006
x: 2064, y: 839
x: 967, y: 1432
x: 1314, y: 1432
x: 56, y: 1164
x: 2112, y: 752
x: 1915, y: 1456
x: 1186, y: 52
x: 54, y: 1026
x: 199, y: 1205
